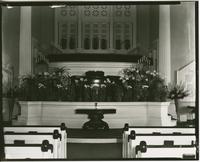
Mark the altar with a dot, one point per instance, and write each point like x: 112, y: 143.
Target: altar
x: 133, y: 113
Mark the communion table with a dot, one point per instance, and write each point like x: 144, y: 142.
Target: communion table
x: 95, y: 116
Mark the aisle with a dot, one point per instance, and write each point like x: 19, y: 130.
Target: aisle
x: 95, y: 151
x: 85, y: 145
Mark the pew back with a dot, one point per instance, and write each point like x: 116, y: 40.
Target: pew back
x: 40, y: 129
x: 28, y: 138
x: 36, y: 129
x: 179, y: 139
x: 35, y: 134
x: 32, y: 138
x: 29, y: 151
x: 160, y: 139
x: 160, y: 130
x: 161, y: 151
x: 156, y: 130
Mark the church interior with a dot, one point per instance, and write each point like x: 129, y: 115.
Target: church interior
x: 99, y: 81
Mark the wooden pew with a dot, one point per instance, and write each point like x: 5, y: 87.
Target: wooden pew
x: 43, y: 129
x: 29, y: 151
x: 144, y: 130
x: 159, y: 139
x: 34, y: 128
x: 32, y: 138
x: 161, y: 151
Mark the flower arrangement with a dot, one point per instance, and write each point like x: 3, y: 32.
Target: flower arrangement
x: 177, y: 91
x: 135, y: 84
x: 143, y: 85
x: 44, y: 86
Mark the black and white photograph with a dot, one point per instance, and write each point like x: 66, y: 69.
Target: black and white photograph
x: 99, y: 80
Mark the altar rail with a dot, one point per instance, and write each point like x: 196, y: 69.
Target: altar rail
x: 133, y: 113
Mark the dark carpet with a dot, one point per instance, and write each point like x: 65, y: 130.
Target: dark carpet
x: 95, y: 151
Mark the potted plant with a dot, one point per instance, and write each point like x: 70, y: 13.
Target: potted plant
x: 177, y: 92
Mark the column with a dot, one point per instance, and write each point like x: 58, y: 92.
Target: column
x: 25, y: 56
x: 111, y: 42
x: 79, y: 34
x: 164, y: 61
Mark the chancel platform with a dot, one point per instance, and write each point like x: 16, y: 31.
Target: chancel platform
x: 133, y: 113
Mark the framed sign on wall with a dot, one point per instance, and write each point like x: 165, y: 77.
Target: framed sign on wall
x: 187, y: 75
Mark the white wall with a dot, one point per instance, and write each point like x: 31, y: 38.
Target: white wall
x: 182, y: 36
x: 10, y: 39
